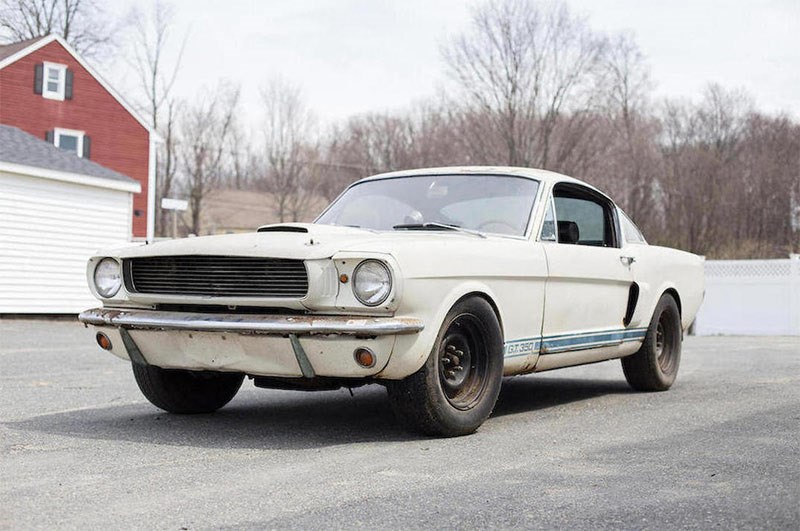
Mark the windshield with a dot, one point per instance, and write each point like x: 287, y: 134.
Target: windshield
x: 486, y: 203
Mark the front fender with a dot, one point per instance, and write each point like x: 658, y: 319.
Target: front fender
x: 432, y: 300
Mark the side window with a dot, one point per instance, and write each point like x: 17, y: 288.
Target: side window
x: 549, y: 225
x: 630, y: 232
x: 583, y: 219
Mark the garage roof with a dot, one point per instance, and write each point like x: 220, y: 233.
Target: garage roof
x: 19, y: 148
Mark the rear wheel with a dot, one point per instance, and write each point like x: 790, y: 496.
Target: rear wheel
x: 655, y: 366
x: 179, y: 391
x: 456, y: 390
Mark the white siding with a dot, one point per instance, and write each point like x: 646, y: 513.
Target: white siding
x: 48, y: 230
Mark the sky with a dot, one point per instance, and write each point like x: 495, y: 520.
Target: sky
x: 357, y: 56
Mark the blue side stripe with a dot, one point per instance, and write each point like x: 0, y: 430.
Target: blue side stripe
x: 565, y: 342
x: 597, y: 339
x: 594, y: 333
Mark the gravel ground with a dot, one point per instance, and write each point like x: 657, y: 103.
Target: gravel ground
x: 574, y: 448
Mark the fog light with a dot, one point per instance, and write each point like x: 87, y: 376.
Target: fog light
x: 364, y: 357
x: 103, y: 341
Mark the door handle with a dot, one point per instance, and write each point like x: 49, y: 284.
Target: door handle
x: 627, y: 260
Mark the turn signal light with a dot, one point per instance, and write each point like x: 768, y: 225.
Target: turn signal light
x: 364, y: 357
x: 103, y: 341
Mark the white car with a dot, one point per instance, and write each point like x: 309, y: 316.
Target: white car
x: 435, y: 283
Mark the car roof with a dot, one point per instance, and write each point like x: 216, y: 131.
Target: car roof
x: 544, y: 176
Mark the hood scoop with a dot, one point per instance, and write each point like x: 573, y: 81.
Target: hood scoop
x: 283, y: 228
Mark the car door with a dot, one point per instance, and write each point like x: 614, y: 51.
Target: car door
x: 648, y: 269
x: 589, y: 280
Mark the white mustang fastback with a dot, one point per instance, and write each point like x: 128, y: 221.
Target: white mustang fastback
x: 435, y: 283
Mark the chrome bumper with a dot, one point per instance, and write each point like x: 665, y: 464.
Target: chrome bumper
x: 297, y: 325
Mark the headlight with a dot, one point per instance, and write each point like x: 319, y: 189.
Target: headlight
x: 107, y: 280
x: 372, y: 282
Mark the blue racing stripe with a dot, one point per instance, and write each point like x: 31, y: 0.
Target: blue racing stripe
x: 566, y: 342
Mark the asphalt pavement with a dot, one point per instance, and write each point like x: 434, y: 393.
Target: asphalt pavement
x: 572, y: 449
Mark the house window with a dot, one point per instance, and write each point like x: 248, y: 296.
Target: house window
x: 69, y: 140
x: 55, y: 81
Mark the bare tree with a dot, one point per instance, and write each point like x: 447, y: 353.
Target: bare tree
x: 205, y: 130
x: 157, y: 73
x: 422, y: 135
x: 702, y: 175
x: 766, y: 186
x: 521, y: 68
x: 150, y: 45
x: 628, y: 166
x: 167, y: 159
x: 289, y: 151
x: 84, y: 24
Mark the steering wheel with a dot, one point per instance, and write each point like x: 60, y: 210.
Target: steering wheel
x: 511, y: 229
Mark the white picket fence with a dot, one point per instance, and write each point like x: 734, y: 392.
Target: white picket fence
x: 751, y: 297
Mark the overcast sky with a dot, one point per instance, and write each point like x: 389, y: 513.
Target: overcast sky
x: 354, y: 56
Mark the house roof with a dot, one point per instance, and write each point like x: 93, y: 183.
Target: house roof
x: 13, y: 52
x: 7, y: 50
x: 22, y: 152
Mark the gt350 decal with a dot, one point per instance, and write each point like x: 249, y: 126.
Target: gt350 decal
x: 567, y: 342
x: 521, y: 347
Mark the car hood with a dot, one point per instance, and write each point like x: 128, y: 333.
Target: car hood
x: 304, y: 241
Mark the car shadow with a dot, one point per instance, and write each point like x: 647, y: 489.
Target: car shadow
x: 291, y: 420
x: 522, y: 394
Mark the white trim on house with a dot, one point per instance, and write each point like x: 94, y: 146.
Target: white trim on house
x: 33, y: 171
x: 60, y: 91
x: 151, y: 191
x: 130, y: 218
x: 59, y: 132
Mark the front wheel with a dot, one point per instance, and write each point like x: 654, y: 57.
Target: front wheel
x: 179, y: 391
x: 655, y: 366
x: 456, y: 390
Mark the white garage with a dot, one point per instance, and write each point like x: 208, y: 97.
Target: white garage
x: 56, y: 210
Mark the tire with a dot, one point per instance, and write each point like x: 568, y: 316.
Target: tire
x: 440, y: 400
x: 655, y: 366
x: 179, y: 391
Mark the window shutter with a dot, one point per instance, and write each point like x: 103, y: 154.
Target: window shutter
x: 68, y: 85
x: 50, y: 137
x: 87, y: 146
x: 38, y: 78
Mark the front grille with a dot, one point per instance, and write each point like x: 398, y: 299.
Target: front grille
x: 217, y: 276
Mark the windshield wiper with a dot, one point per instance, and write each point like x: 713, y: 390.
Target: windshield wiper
x: 432, y: 225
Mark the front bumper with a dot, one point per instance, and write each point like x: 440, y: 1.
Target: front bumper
x: 252, y: 324
x: 267, y: 345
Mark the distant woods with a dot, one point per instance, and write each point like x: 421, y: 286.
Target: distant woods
x: 528, y: 84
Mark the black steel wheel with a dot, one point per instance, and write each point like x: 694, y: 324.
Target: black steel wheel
x: 463, y: 366
x: 179, y: 391
x: 655, y: 366
x: 456, y: 390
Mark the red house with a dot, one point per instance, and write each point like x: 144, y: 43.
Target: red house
x: 50, y: 92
